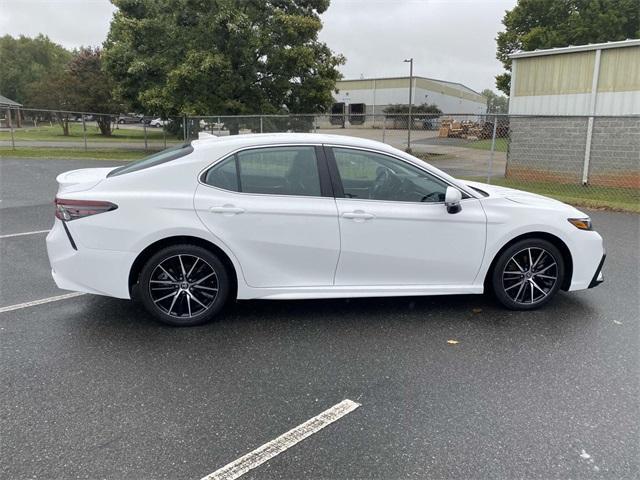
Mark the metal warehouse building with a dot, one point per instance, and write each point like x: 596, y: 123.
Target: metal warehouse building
x: 597, y: 88
x: 373, y: 95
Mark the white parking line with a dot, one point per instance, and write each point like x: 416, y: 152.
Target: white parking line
x: 33, y: 303
x: 11, y: 235
x: 287, y: 440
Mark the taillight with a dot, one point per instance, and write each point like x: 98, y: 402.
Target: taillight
x: 72, y: 209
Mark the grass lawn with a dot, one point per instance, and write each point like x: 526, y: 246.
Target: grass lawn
x: 625, y: 199
x: 501, y: 144
x: 54, y: 133
x: 101, y: 154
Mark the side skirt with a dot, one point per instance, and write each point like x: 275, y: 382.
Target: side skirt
x: 300, y: 293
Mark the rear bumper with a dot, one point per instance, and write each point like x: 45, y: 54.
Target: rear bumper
x: 102, y: 272
x: 598, y: 278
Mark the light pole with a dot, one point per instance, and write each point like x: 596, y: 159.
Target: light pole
x: 410, y: 62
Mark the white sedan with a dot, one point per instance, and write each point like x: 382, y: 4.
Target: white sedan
x: 158, y: 123
x: 297, y: 216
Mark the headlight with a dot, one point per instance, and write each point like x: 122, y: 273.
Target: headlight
x: 581, y: 223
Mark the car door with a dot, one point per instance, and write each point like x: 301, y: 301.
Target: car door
x: 273, y: 207
x: 395, y: 228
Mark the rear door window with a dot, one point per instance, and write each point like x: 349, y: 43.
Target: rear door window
x: 224, y: 175
x: 270, y: 170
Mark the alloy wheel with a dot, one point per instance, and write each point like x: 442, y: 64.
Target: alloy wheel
x: 530, y: 275
x: 183, y: 286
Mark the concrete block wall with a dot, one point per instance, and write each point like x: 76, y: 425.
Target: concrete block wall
x: 615, y: 152
x: 553, y: 149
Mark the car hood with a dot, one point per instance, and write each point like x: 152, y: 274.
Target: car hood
x: 519, y: 196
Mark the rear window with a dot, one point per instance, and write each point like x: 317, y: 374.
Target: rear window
x: 152, y: 160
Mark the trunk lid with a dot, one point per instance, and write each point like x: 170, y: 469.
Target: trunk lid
x: 81, y: 179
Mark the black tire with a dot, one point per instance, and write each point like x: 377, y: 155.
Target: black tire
x: 120, y: 122
x: 178, y: 301
x: 519, y: 287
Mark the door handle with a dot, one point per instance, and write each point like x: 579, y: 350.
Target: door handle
x: 358, y: 215
x: 227, y: 209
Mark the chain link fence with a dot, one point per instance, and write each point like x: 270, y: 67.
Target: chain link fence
x: 592, y: 161
x: 60, y: 131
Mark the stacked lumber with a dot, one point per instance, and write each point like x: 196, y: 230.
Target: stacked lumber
x: 445, y: 126
x: 468, y: 129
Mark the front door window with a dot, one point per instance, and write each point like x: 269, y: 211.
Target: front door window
x: 374, y: 176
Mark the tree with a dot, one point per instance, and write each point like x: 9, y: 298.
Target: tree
x: 81, y: 86
x: 403, y: 109
x: 540, y: 24
x: 26, y: 60
x: 229, y: 57
x: 495, y: 103
x: 53, y: 92
x: 399, y: 112
x: 89, y: 88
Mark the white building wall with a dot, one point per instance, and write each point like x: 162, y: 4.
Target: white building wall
x: 382, y: 97
x: 618, y: 103
x: 449, y: 104
x: 607, y: 103
x: 574, y: 104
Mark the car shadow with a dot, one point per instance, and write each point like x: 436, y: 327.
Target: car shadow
x: 122, y: 319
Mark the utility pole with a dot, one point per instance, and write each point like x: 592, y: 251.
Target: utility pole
x: 410, y: 62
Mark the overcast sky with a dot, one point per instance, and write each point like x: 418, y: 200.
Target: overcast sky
x: 448, y: 39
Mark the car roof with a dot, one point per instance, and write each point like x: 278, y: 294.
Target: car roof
x: 255, y: 139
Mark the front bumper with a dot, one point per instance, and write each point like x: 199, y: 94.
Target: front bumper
x: 587, y: 250
x: 598, y: 277
x: 82, y: 269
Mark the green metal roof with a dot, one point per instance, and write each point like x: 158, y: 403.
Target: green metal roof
x: 457, y: 85
x: 7, y: 102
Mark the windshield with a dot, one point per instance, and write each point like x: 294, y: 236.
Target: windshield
x: 152, y: 160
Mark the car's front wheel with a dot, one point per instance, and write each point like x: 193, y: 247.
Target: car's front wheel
x: 184, y: 285
x: 528, y: 274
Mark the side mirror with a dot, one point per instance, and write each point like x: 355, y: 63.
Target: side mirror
x: 452, y: 199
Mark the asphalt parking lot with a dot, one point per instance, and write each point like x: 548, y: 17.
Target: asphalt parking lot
x: 94, y: 388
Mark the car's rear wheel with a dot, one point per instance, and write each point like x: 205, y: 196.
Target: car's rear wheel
x: 528, y: 274
x: 184, y: 285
